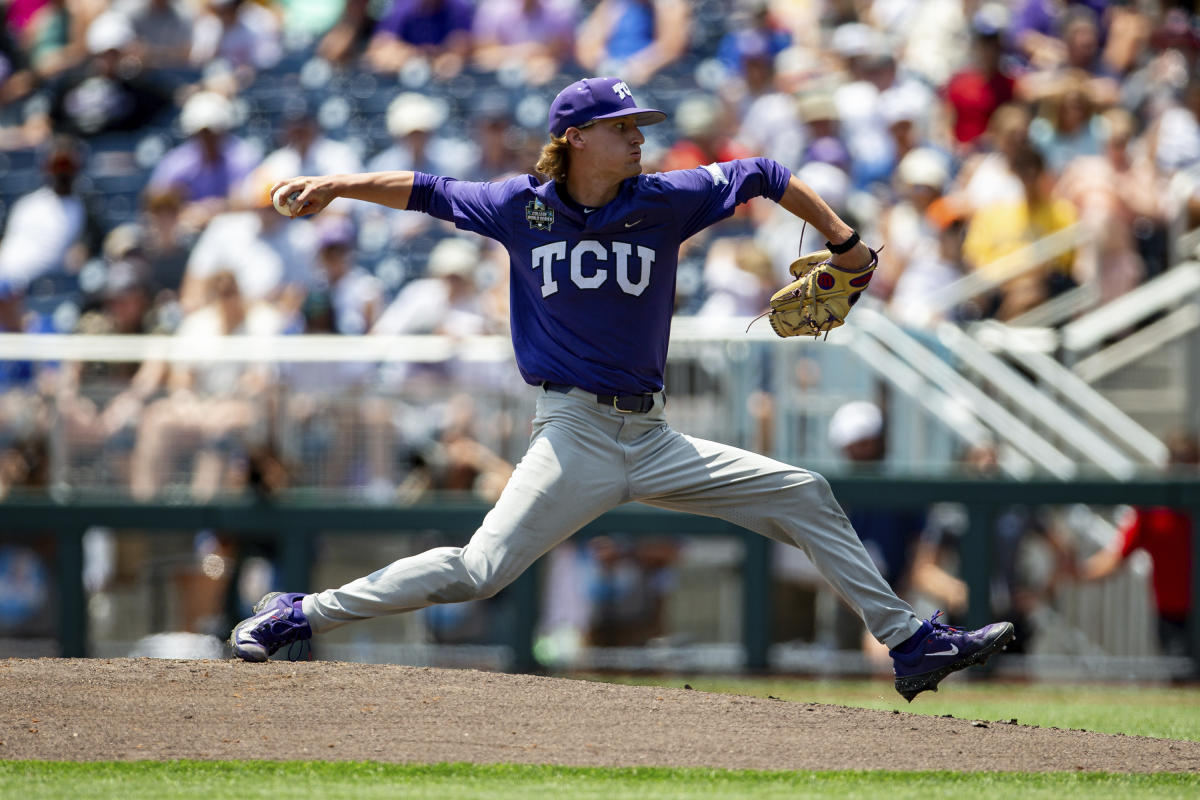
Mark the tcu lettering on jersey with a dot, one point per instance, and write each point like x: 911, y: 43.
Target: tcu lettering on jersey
x: 586, y: 272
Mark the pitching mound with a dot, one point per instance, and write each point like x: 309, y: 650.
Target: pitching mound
x: 125, y: 709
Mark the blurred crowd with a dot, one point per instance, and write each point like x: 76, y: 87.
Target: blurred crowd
x: 138, y: 139
x: 1041, y: 145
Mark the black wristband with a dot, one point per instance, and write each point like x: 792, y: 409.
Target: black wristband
x: 844, y: 247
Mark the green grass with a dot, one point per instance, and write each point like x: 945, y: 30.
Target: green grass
x: 1163, y: 712
x: 32, y: 780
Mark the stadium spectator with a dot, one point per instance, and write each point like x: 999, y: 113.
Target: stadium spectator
x: 350, y: 35
x: 15, y: 376
x: 1039, y: 29
x: 1166, y: 534
x: 414, y: 122
x: 354, y: 295
x: 434, y: 32
x: 445, y: 302
x: 769, y: 123
x: 305, y: 150
x: 306, y: 20
x: 165, y: 241
x: 1017, y: 587
x: 906, y: 111
x: 1001, y: 229
x: 628, y: 589
x: 987, y: 177
x: 534, y: 38
x: 753, y: 40
x: 203, y: 170
x: 1066, y: 128
x: 1071, y: 57
x: 270, y: 256
x: 164, y: 31
x: 1121, y: 203
x: 16, y: 78
x: 869, y: 70
x: 53, y: 34
x: 320, y: 430
x: 109, y: 92
x: 908, y: 234
x: 210, y: 412
x: 975, y: 92
x: 413, y: 119
x: 739, y: 279
x: 347, y: 38
x: 98, y: 402
x: 636, y: 39
x: 914, y: 298
x: 497, y: 141
x: 703, y: 135
x: 823, y: 131
x: 1135, y: 189
x: 244, y: 35
x: 51, y: 231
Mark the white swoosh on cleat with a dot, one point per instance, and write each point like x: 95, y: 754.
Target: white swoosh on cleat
x: 953, y: 651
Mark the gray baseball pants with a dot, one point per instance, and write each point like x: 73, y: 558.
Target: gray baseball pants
x: 584, y: 459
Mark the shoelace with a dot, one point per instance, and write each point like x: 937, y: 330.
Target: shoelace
x: 301, y: 649
x: 940, y: 626
x: 282, y: 626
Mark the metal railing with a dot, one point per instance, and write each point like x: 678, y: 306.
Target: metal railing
x: 295, y: 522
x: 1017, y: 263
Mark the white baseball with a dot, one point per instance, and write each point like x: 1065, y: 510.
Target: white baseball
x: 283, y: 205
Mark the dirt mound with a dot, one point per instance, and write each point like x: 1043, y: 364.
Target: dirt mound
x: 128, y: 709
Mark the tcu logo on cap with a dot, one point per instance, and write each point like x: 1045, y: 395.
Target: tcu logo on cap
x: 622, y: 90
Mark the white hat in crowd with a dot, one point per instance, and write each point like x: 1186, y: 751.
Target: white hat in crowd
x: 109, y: 31
x: 207, y: 110
x: 923, y: 167
x: 854, y: 39
x: 697, y: 116
x: 413, y: 111
x: 855, y: 422
x: 453, y: 257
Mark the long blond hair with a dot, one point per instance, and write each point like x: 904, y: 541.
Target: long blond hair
x: 555, y: 158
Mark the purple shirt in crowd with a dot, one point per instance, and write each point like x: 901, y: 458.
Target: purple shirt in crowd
x: 185, y: 169
x: 507, y: 22
x: 421, y: 22
x: 593, y: 290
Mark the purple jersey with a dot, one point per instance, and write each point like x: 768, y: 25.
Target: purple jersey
x: 593, y: 291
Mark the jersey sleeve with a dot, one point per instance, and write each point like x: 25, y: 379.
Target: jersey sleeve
x: 702, y: 196
x: 472, y: 206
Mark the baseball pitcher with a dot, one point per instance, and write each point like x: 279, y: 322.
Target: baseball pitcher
x: 594, y: 252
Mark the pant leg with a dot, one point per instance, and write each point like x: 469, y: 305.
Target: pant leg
x: 572, y: 473
x: 783, y: 502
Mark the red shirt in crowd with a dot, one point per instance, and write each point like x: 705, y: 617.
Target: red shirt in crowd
x: 1166, y: 534
x: 974, y: 96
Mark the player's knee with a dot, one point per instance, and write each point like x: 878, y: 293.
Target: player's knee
x: 471, y: 579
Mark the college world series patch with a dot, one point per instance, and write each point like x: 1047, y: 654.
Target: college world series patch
x: 539, y: 216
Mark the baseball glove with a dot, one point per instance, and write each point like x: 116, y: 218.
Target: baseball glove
x: 820, y: 297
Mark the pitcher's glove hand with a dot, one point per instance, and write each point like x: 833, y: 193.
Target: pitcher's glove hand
x: 820, y: 297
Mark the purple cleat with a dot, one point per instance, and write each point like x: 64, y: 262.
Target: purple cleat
x: 937, y: 650
x: 277, y: 622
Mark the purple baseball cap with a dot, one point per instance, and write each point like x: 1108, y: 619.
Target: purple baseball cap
x: 597, y: 98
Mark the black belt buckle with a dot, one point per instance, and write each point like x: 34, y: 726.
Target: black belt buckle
x: 633, y: 403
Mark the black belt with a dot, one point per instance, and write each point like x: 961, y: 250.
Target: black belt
x: 625, y: 403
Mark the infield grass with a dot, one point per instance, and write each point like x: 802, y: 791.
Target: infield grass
x: 34, y: 780
x: 1159, y: 711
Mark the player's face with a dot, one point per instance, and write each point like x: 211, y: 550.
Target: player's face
x: 614, y: 146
